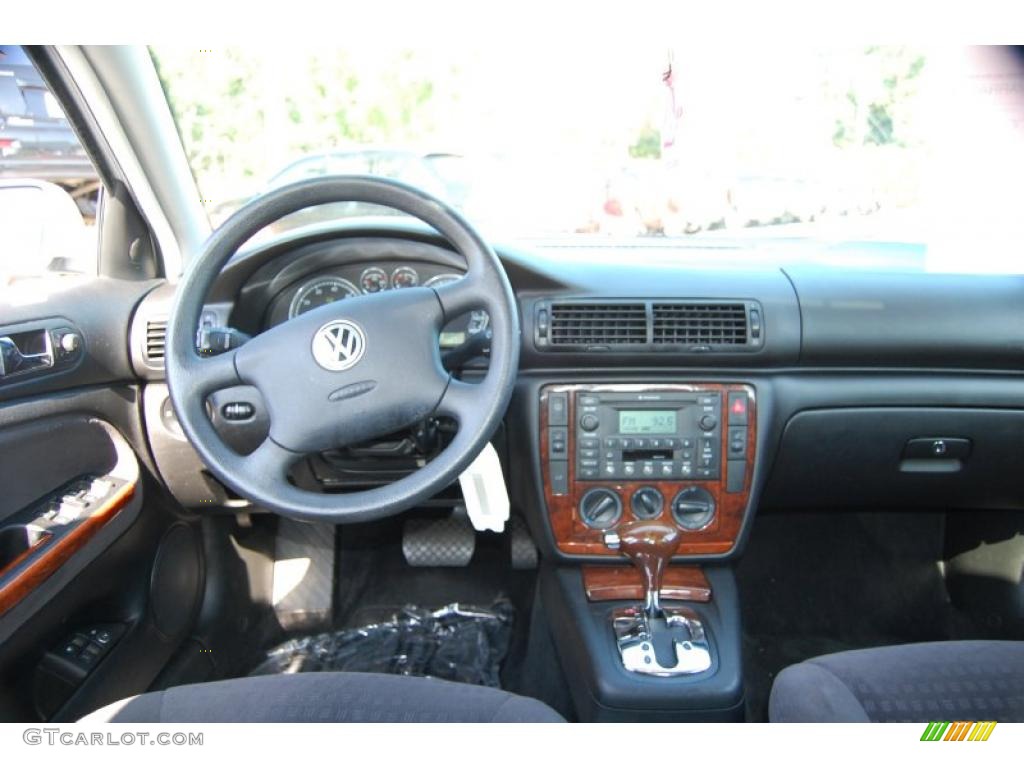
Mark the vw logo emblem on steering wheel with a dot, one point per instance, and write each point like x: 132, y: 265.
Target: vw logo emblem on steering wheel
x: 338, y: 345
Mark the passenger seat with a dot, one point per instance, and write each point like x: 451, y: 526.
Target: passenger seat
x: 922, y: 682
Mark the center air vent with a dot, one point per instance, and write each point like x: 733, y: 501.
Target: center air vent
x: 666, y: 326
x: 156, y: 333
x: 700, y: 324
x: 598, y: 324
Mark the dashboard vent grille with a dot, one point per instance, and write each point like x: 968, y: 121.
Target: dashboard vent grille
x: 156, y: 333
x: 700, y: 324
x: 598, y: 324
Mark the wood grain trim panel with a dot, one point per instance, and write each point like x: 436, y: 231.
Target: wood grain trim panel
x: 573, y: 537
x: 11, y: 566
x: 60, y: 549
x: 623, y: 582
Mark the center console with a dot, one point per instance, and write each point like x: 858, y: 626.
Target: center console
x: 634, y: 477
x: 681, y: 453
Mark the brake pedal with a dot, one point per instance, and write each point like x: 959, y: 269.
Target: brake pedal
x: 447, y: 542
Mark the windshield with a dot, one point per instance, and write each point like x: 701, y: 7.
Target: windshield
x: 900, y: 145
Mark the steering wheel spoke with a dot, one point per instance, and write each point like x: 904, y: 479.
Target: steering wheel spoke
x: 460, y: 400
x: 270, y: 461
x: 461, y: 296
x: 208, y: 374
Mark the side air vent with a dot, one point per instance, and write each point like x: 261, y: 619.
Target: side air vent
x: 575, y: 324
x: 700, y: 324
x: 156, y: 333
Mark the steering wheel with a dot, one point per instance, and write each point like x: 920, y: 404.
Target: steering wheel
x: 349, y: 371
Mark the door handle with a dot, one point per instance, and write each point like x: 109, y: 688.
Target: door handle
x: 32, y: 351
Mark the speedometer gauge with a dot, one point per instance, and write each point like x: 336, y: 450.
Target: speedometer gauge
x: 318, y: 292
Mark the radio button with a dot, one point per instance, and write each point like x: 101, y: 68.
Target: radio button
x: 589, y: 442
x: 629, y: 469
x: 627, y: 444
x: 738, y: 408
x: 611, y: 442
x: 589, y: 400
x: 558, y: 409
x: 588, y: 473
x: 665, y: 468
x: 558, y: 442
x: 559, y: 472
x: 737, y: 442
x: 588, y: 453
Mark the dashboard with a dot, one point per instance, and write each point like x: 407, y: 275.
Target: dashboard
x: 857, y: 382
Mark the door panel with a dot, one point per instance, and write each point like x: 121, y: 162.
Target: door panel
x: 111, y: 570
x: 137, y: 556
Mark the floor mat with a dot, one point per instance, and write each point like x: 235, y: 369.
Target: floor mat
x: 819, y: 583
x: 373, y: 580
x: 460, y: 643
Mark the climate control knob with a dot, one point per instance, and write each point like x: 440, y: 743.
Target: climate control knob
x: 693, y: 508
x: 647, y: 503
x: 600, y: 508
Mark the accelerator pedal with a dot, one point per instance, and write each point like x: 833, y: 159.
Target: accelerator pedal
x: 439, y: 542
x: 524, y: 551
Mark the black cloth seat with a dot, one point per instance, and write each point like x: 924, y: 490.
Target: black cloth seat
x: 327, y: 697
x: 921, y: 682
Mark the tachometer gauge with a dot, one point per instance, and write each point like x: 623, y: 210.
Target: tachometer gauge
x: 318, y: 292
x: 405, y: 277
x: 373, y: 280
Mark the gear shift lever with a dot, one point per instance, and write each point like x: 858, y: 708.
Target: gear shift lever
x: 650, y: 546
x: 652, y: 640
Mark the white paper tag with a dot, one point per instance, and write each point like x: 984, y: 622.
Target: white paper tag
x: 484, y: 491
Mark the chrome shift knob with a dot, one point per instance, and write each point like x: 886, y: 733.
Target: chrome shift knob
x: 650, y: 546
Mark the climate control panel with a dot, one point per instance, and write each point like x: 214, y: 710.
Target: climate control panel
x: 679, y: 453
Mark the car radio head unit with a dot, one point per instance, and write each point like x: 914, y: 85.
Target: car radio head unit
x: 656, y: 435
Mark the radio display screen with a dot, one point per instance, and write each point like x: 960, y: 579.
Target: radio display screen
x: 647, y: 422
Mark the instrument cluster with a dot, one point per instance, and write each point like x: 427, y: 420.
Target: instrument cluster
x: 347, y: 281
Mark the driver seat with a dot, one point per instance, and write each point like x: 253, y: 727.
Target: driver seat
x: 327, y: 697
